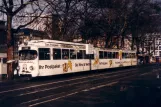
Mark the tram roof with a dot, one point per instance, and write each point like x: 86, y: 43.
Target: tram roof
x: 45, y: 42
x: 53, y: 41
x: 108, y: 49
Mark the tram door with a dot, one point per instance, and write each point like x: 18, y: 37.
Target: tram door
x: 120, y: 57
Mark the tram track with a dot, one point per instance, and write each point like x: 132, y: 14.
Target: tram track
x: 35, y: 84
x: 56, y: 85
x: 28, y: 83
x: 24, y: 95
x: 35, y: 93
x: 53, y: 97
x: 22, y: 84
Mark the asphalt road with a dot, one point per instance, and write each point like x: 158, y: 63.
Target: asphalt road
x: 132, y: 87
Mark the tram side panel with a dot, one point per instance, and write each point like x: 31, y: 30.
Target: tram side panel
x: 47, y: 67
x: 56, y: 67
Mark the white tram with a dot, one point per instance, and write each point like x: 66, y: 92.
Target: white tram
x: 51, y: 57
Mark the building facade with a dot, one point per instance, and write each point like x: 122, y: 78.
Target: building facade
x: 3, y: 38
x: 157, y: 52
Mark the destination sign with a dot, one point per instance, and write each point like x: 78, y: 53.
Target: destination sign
x: 25, y: 48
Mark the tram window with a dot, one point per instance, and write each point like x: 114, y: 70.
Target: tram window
x: 65, y: 53
x: 105, y: 55
x: 130, y: 55
x: 113, y: 55
x: 92, y: 56
x: 56, y: 54
x: 27, y: 54
x: 101, y: 54
x: 133, y: 55
x: 80, y: 54
x: 123, y: 55
x: 109, y: 55
x: 86, y: 56
x: 44, y: 53
x: 72, y: 54
x: 127, y: 55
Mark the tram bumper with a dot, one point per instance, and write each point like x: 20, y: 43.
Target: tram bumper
x: 26, y: 75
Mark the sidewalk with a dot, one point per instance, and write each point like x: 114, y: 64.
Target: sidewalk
x: 3, y: 78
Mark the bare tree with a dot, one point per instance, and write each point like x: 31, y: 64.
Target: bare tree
x: 63, y: 16
x: 14, y: 9
x: 107, y: 19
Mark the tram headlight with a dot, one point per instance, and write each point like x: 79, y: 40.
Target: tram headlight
x: 18, y: 68
x: 31, y: 68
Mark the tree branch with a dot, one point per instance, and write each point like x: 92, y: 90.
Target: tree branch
x: 21, y: 1
x: 10, y: 4
x: 23, y: 6
x: 1, y: 10
x: 5, y: 5
x: 21, y: 26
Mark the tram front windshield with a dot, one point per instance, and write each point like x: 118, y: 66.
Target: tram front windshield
x: 27, y: 55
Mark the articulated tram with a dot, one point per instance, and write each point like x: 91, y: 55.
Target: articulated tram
x: 51, y: 57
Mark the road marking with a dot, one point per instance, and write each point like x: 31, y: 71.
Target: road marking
x: 53, y: 99
x: 148, y: 73
x: 101, y: 86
